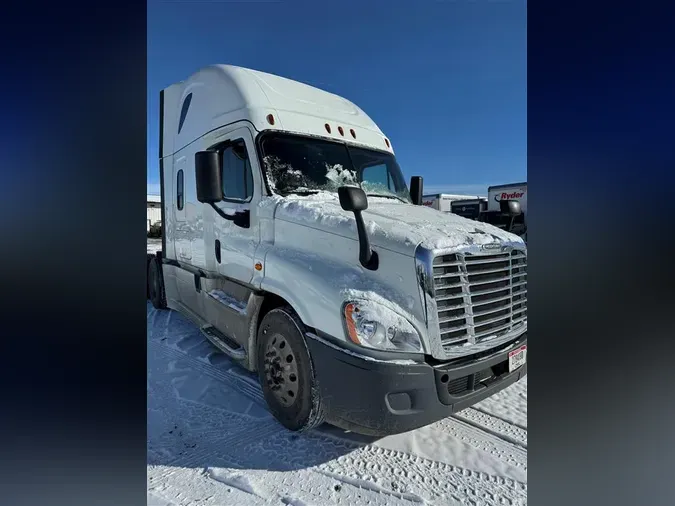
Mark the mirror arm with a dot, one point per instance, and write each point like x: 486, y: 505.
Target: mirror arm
x: 367, y: 256
x: 240, y: 218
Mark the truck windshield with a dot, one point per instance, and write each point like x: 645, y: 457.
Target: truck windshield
x: 304, y: 165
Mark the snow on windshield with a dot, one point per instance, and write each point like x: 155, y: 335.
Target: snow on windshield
x: 294, y: 164
x: 339, y: 176
x: 282, y: 172
x: 282, y: 177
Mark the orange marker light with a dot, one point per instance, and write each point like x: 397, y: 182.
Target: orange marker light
x: 270, y: 119
x: 258, y: 266
x: 350, y: 309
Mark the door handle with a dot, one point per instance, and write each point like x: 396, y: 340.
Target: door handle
x: 218, y: 250
x: 239, y: 218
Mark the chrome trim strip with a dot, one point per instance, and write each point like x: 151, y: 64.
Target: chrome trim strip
x: 460, y: 351
x: 425, y: 279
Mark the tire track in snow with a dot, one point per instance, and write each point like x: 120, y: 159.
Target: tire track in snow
x: 305, y: 487
x: 155, y: 315
x: 494, y: 425
x: 224, y: 450
x: 226, y: 430
x: 502, y: 418
x: 430, y: 480
x: 509, y: 404
x: 391, y: 471
x: 233, y: 380
x: 230, y: 444
x: 365, y: 485
x: 192, y: 486
x: 504, y: 449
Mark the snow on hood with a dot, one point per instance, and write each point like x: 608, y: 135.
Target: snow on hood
x: 390, y: 224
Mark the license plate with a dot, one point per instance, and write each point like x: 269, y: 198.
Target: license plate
x: 517, y: 358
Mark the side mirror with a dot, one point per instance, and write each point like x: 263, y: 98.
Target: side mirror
x: 352, y: 198
x: 416, y: 187
x: 208, y: 176
x: 510, y: 207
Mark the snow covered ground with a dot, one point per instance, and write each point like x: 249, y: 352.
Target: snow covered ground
x: 154, y: 245
x: 211, y: 441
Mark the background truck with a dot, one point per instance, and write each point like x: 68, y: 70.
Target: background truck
x: 443, y: 201
x: 516, y: 192
x: 469, y: 208
x: 512, y: 191
x: 291, y: 239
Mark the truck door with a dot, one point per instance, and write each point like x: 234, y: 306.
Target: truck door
x: 234, y: 244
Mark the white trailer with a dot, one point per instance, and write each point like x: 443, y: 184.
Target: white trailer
x: 512, y: 191
x: 154, y: 211
x: 290, y: 238
x: 442, y: 201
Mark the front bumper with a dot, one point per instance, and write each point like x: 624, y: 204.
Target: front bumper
x: 378, y: 398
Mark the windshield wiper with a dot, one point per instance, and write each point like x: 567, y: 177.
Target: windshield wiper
x: 385, y: 196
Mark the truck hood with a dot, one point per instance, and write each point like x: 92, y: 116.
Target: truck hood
x: 391, y: 224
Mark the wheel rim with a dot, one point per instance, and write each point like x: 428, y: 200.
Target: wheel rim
x: 281, y: 370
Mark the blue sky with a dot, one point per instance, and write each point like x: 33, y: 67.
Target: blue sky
x: 445, y: 80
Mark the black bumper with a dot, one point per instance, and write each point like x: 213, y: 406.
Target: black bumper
x: 379, y: 398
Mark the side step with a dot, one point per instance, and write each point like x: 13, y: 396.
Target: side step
x: 224, y: 343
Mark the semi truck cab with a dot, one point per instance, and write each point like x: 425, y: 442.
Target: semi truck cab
x: 292, y: 240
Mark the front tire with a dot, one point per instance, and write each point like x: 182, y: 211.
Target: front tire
x: 286, y: 372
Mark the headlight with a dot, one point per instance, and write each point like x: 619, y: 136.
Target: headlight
x: 374, y: 326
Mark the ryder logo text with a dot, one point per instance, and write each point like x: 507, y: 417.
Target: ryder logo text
x: 509, y: 195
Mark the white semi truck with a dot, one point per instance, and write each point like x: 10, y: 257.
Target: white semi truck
x: 292, y: 241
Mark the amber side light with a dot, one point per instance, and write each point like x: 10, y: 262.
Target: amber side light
x: 350, y: 309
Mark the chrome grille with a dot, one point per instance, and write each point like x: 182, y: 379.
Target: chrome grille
x: 479, y: 296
